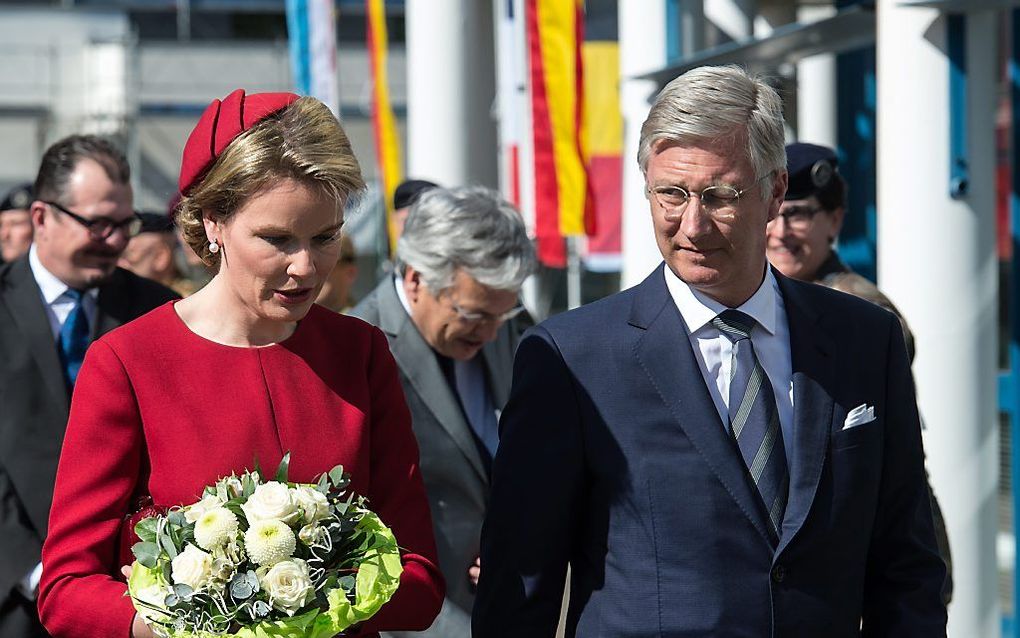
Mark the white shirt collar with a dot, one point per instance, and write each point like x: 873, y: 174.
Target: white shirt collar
x: 698, y: 309
x: 398, y: 283
x: 49, y: 285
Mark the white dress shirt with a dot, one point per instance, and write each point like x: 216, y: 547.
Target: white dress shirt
x: 770, y: 336
x: 55, y: 299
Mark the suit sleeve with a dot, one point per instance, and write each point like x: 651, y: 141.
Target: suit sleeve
x: 82, y: 594
x: 904, y: 578
x: 528, y: 535
x: 21, y: 542
x: 397, y: 495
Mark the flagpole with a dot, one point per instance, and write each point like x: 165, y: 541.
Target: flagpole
x: 573, y: 272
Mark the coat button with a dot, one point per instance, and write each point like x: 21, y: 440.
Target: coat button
x: 778, y: 573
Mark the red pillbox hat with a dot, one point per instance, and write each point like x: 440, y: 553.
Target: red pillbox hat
x: 221, y: 122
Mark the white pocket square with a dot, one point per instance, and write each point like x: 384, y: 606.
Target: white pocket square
x: 860, y: 415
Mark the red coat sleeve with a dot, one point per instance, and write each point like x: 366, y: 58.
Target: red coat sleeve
x: 397, y: 495
x: 81, y: 594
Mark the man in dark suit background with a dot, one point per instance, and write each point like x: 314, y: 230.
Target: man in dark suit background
x: 53, y: 301
x: 451, y: 318
x: 720, y: 450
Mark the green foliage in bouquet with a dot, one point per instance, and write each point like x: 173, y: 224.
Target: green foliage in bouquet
x: 258, y: 559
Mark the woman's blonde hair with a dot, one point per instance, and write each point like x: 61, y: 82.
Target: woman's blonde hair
x: 303, y: 141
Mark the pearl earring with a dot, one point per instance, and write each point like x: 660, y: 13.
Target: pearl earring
x: 214, y: 247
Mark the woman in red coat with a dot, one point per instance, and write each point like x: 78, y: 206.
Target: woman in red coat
x: 247, y: 368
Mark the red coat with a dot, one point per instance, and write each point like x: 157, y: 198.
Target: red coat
x: 153, y: 397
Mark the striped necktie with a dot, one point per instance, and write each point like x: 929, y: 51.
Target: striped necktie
x: 754, y: 419
x: 74, y: 337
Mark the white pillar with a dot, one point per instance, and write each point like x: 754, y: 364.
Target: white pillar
x: 937, y: 261
x: 642, y: 49
x: 451, y: 135
x: 816, y: 89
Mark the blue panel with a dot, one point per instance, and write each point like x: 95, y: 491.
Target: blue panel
x: 956, y: 45
x: 856, y: 99
x: 298, y: 43
x: 673, y: 28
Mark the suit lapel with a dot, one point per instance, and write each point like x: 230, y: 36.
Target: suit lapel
x: 24, y: 300
x: 418, y: 363
x: 812, y: 357
x: 499, y: 360
x: 667, y: 357
x: 114, y: 305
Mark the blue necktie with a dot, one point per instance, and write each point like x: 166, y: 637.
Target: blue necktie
x: 74, y: 337
x: 754, y: 419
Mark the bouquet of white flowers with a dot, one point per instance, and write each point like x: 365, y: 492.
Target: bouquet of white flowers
x: 262, y: 559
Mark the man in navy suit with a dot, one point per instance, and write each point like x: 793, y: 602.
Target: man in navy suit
x: 720, y: 450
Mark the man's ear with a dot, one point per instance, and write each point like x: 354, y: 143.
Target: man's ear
x: 778, y: 195
x: 37, y: 212
x: 412, y: 283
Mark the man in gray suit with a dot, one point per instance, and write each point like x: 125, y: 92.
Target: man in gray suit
x: 451, y: 318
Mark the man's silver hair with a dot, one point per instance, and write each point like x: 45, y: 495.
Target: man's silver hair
x: 724, y: 104
x: 470, y: 228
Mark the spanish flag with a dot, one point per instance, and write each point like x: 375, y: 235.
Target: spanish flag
x: 387, y: 146
x: 563, y: 207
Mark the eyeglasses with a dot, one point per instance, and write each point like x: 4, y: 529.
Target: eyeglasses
x: 468, y: 316
x: 103, y: 227
x: 719, y: 201
x: 798, y: 217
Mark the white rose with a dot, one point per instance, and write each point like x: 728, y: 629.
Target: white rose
x: 194, y: 512
x: 271, y: 500
x: 192, y: 567
x: 269, y: 542
x: 215, y: 528
x: 312, y: 502
x: 289, y: 585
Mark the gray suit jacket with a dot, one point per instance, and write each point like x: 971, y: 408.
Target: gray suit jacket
x: 456, y: 479
x: 33, y: 413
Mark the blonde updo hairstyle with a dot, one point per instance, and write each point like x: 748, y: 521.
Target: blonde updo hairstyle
x: 303, y: 141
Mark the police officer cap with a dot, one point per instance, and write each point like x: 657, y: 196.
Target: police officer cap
x: 18, y: 198
x: 408, y: 192
x: 156, y: 223
x: 812, y: 168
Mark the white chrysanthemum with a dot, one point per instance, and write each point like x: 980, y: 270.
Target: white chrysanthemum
x: 269, y: 541
x: 215, y: 528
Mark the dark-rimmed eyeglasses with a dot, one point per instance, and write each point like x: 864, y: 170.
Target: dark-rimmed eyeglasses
x: 469, y: 316
x: 798, y: 217
x: 103, y: 227
x: 720, y: 202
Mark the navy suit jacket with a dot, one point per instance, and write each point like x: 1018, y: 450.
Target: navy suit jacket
x: 613, y: 459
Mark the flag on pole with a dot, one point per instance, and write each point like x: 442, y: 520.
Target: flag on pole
x: 384, y: 127
x: 311, y: 30
x: 563, y: 206
x: 508, y: 79
x: 604, y: 126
